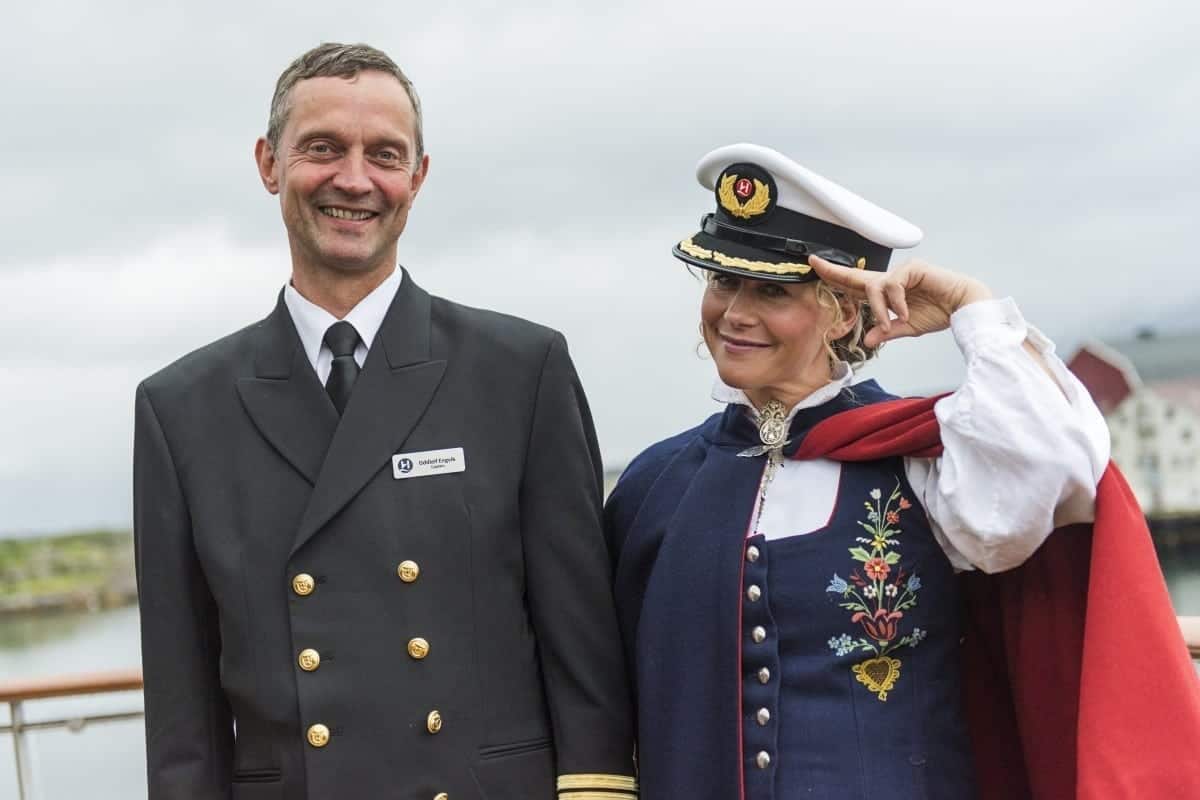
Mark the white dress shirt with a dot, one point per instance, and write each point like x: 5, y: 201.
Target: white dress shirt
x: 1021, y: 456
x: 312, y: 321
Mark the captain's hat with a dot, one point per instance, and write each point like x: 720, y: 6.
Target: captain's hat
x: 772, y: 214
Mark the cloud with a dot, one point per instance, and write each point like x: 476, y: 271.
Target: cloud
x: 1045, y: 148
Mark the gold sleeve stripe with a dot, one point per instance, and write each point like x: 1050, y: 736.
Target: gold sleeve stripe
x: 620, y: 783
x: 590, y: 795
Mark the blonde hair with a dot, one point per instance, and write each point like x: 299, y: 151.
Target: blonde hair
x: 849, y: 347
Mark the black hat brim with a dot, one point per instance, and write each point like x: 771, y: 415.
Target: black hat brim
x: 720, y: 255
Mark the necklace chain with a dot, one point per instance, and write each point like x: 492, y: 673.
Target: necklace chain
x: 772, y: 432
x: 774, y: 462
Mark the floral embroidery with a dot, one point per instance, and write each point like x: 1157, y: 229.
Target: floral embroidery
x: 878, y: 595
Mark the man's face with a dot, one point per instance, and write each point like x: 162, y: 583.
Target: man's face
x: 345, y: 171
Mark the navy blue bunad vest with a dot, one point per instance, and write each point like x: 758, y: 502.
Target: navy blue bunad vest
x: 823, y: 666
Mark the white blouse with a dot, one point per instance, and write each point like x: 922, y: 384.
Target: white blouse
x: 1021, y: 456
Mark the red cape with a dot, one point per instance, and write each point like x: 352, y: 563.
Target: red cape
x: 1078, y: 683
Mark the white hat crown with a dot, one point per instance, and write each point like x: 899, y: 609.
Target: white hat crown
x: 804, y: 191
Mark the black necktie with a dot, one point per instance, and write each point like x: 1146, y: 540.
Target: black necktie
x: 341, y: 339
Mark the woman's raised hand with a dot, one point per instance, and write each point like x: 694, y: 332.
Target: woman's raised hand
x: 921, y: 296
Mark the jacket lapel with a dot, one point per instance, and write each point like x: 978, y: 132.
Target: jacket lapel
x: 390, y: 395
x: 285, y: 400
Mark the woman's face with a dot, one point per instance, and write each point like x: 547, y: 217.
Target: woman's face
x: 768, y: 339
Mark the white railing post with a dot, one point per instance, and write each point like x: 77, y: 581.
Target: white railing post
x: 24, y: 774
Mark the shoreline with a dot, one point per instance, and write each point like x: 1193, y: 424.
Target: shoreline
x: 101, y: 599
x: 84, y: 571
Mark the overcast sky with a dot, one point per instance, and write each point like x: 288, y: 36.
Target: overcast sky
x: 1048, y: 148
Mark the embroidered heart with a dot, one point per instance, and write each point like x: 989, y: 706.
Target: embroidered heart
x: 879, y: 675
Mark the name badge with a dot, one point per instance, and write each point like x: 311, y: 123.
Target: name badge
x: 428, y: 462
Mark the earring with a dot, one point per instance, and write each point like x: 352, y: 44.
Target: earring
x: 702, y: 346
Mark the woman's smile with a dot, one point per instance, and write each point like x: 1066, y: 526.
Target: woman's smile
x: 735, y: 345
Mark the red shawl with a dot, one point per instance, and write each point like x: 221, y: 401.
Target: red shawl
x: 1077, y: 681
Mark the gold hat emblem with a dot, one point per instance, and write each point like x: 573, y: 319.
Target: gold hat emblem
x: 734, y: 187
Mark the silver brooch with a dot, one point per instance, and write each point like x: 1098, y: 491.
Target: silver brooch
x: 772, y: 425
x: 772, y: 429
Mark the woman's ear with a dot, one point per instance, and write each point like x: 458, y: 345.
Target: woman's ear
x: 851, y: 309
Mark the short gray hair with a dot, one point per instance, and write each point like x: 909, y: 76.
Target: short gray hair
x: 334, y: 60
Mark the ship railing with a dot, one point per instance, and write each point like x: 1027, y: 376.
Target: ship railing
x: 17, y: 693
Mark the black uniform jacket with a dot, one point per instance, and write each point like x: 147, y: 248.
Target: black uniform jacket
x: 314, y: 627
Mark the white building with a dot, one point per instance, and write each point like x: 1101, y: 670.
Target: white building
x: 1149, y: 391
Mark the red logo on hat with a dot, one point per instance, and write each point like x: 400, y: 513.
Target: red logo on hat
x: 744, y: 188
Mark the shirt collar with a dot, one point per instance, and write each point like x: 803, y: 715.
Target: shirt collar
x: 841, y: 378
x: 312, y: 321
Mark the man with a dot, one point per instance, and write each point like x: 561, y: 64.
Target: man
x: 394, y: 584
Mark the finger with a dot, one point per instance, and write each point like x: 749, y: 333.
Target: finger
x: 879, y: 305
x: 897, y: 299
x: 897, y: 330
x: 852, y: 280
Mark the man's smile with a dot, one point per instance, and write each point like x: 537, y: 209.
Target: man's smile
x: 338, y: 212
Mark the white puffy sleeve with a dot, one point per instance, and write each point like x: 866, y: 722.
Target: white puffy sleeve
x: 1022, y: 456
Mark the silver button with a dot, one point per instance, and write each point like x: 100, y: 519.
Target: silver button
x: 763, y: 759
x: 753, y: 593
x: 752, y: 554
x: 763, y: 716
x: 764, y: 675
x: 759, y: 634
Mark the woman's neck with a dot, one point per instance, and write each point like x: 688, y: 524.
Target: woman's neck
x: 790, y: 394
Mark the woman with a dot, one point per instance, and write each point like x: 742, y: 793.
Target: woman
x: 786, y: 571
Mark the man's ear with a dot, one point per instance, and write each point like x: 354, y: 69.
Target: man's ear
x: 420, y: 174
x: 264, y: 156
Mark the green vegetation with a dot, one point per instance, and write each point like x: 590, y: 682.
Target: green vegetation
x: 91, y: 569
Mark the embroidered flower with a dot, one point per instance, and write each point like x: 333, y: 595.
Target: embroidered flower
x: 877, y: 569
x: 874, y: 602
x: 880, y: 626
x: 841, y: 645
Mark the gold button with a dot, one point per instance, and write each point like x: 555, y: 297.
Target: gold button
x: 753, y: 593
x: 752, y: 554
x: 764, y: 675
x: 759, y: 634
x: 408, y: 571
x: 309, y: 660
x: 418, y: 648
x: 303, y: 584
x: 318, y: 735
x: 441, y: 796
x: 763, y: 759
x: 763, y: 716
x: 433, y: 723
